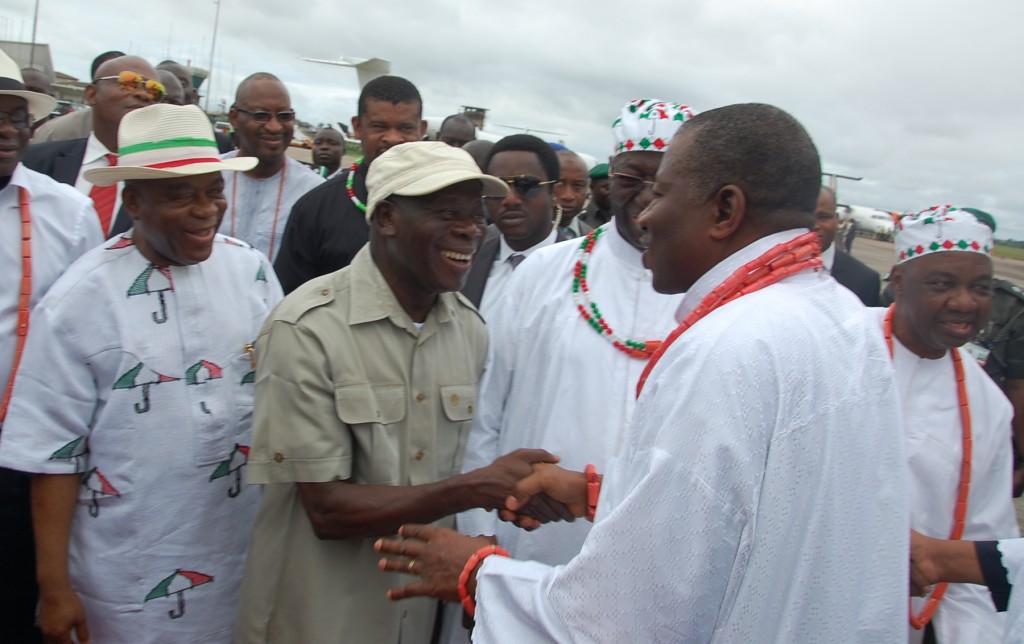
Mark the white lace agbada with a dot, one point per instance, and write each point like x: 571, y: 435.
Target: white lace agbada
x: 761, y: 496
x: 552, y: 382
x: 927, y: 389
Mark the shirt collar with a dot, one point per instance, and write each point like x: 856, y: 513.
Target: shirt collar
x: 20, y: 179
x: 372, y: 299
x: 505, y: 250
x: 721, y: 271
x: 828, y: 257
x: 94, y: 150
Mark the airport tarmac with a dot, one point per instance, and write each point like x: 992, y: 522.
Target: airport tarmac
x: 880, y: 256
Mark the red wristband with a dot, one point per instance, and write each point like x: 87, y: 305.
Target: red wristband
x: 468, y: 603
x: 593, y: 490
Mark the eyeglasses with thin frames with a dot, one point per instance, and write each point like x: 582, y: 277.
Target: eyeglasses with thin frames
x: 19, y: 118
x: 630, y: 182
x: 262, y: 116
x: 133, y: 82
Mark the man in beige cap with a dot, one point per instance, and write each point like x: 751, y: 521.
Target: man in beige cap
x: 61, y: 226
x: 365, y: 393
x: 133, y: 402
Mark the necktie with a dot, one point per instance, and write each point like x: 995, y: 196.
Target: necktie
x: 103, y: 198
x: 515, y: 259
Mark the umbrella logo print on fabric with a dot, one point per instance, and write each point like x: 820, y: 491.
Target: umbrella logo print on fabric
x: 155, y: 279
x: 199, y: 374
x: 139, y: 377
x: 99, y: 486
x: 73, y: 452
x: 233, y: 465
x: 176, y: 584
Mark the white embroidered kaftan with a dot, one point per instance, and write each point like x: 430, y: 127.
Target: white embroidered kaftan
x: 761, y: 496
x: 552, y: 382
x: 138, y: 378
x: 258, y: 209
x: 64, y: 227
x: 927, y: 389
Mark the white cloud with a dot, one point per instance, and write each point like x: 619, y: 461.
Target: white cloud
x: 922, y: 100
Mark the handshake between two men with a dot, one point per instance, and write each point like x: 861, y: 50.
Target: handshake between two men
x: 446, y: 561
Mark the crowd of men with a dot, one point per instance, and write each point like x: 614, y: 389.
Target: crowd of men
x: 650, y: 400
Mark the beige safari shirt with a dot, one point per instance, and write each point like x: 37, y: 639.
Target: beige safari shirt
x: 348, y: 389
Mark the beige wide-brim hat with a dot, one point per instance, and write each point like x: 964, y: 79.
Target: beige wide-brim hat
x: 422, y: 168
x: 162, y: 141
x: 13, y: 84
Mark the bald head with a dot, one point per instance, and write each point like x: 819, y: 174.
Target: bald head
x: 456, y: 130
x: 253, y: 82
x: 479, y: 149
x: 184, y: 79
x: 264, y: 122
x: 175, y: 93
x: 110, y: 101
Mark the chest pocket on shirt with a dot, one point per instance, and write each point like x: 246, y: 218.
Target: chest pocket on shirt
x: 459, y: 403
x: 374, y: 414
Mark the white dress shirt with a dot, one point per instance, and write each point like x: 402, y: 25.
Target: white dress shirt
x: 64, y: 227
x: 502, y: 269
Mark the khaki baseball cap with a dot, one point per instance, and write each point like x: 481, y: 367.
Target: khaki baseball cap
x: 423, y: 168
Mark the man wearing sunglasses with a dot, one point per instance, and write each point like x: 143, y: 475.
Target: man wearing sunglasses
x: 327, y: 227
x: 260, y: 200
x: 540, y: 343
x: 524, y: 218
x: 119, y: 86
x: 740, y: 506
x: 76, y: 124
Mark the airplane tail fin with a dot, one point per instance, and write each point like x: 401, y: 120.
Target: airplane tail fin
x: 369, y: 69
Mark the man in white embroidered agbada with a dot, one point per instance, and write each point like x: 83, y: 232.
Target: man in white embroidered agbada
x: 260, y: 200
x: 742, y: 508
x: 943, y: 286
x: 540, y: 343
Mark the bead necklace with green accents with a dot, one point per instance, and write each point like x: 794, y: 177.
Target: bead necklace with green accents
x: 588, y: 308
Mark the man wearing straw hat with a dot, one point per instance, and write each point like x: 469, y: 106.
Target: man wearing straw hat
x: 955, y: 418
x: 44, y: 227
x: 366, y: 389
x: 133, y: 402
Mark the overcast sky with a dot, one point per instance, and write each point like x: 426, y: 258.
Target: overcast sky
x: 922, y: 99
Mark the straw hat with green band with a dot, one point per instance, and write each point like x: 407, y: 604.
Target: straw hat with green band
x: 163, y: 141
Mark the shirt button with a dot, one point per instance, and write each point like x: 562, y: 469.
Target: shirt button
x: 420, y: 397
x: 469, y: 409
x: 325, y: 292
x: 419, y: 455
x: 454, y: 400
x: 278, y: 457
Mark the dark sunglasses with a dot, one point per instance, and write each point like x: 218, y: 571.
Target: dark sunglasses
x: 630, y: 182
x: 261, y: 116
x: 527, y: 186
x: 133, y: 82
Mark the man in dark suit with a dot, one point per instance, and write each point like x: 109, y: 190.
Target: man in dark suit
x: 119, y: 86
x: 847, y: 270
x: 524, y: 219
